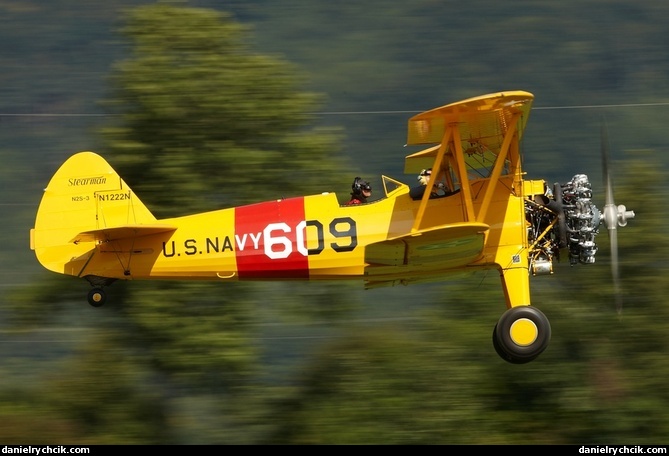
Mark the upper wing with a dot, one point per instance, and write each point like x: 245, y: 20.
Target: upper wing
x: 482, y: 122
x: 425, y: 253
x: 121, y: 232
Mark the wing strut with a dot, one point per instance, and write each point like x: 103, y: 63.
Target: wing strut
x: 446, y: 139
x: 465, y: 188
x: 451, y: 139
x: 499, y: 166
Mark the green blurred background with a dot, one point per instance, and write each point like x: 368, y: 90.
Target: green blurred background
x: 226, y: 103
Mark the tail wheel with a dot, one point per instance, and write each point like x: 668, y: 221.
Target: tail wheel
x: 97, y: 297
x: 521, y: 334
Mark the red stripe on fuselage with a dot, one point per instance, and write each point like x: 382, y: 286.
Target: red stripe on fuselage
x: 266, y: 240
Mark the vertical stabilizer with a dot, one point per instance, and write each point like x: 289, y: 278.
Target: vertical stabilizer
x: 84, y: 194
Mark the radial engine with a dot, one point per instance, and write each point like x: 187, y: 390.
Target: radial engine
x: 564, y: 218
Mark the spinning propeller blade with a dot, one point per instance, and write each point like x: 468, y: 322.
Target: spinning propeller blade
x: 613, y: 216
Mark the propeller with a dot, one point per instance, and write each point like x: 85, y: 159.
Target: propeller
x: 613, y: 216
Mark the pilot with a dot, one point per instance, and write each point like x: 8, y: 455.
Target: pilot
x: 361, y: 190
x: 424, y: 179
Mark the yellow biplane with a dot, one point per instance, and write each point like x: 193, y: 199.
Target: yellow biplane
x: 481, y: 214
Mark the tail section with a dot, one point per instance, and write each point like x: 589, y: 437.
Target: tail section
x: 85, y: 196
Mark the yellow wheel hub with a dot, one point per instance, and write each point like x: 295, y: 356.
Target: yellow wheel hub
x: 524, y: 332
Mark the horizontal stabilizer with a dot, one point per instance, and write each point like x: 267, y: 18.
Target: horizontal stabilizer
x: 121, y: 232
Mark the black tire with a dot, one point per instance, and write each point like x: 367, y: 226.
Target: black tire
x: 97, y: 297
x: 521, y: 334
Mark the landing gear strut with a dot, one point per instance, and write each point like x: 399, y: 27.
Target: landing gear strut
x: 521, y: 334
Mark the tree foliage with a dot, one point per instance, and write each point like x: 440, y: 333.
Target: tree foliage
x: 206, y: 123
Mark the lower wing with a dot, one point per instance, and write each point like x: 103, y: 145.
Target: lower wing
x: 424, y: 255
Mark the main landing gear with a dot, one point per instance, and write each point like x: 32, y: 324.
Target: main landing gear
x: 521, y: 334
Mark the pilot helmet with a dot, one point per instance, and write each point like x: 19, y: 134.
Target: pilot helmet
x: 424, y: 176
x: 359, y: 185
